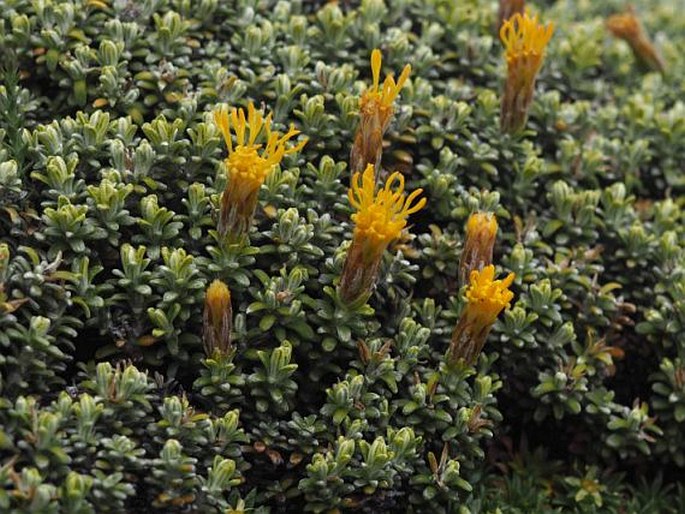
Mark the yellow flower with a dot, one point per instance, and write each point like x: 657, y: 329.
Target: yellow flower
x: 507, y: 8
x: 218, y: 300
x: 627, y: 27
x: 481, y: 222
x: 523, y: 36
x: 382, y: 98
x: 486, y: 298
x: 524, y: 42
x: 481, y: 231
x: 375, y: 111
x: 256, y: 151
x: 380, y: 217
x: 217, y: 319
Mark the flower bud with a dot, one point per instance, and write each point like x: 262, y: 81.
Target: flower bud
x: 481, y: 231
x: 626, y: 26
x: 217, y: 320
x: 380, y: 218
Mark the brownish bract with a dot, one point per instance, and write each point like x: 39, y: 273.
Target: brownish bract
x: 507, y: 8
x: 375, y: 112
x: 486, y: 298
x: 481, y: 232
x: 256, y: 151
x: 217, y: 319
x: 626, y: 26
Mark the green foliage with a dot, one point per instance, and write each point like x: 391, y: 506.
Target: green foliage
x: 111, y: 177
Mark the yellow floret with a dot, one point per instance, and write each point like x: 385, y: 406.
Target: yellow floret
x: 257, y: 148
x: 217, y: 300
x: 381, y: 215
x: 522, y: 35
x: 486, y: 296
x: 386, y: 94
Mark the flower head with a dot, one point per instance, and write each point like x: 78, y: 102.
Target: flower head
x: 486, y: 296
x: 524, y: 42
x: 217, y: 318
x: 375, y: 111
x: 484, y: 223
x: 218, y: 300
x: 381, y: 215
x: 485, y: 299
x: 380, y: 218
x: 257, y: 149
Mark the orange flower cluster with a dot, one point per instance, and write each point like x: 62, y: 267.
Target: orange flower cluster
x: 381, y: 212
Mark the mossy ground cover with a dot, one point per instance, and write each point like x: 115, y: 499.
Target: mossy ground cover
x: 113, y: 167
